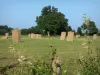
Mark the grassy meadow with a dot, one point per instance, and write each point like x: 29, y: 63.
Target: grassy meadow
x: 68, y: 51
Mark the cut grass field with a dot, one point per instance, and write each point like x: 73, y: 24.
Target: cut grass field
x: 40, y: 48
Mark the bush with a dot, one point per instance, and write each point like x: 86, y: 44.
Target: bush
x: 90, y: 64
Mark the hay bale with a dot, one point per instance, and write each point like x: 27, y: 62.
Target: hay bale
x: 37, y: 36
x: 95, y: 36
x: 33, y: 35
x: 77, y: 36
x: 63, y: 36
x: 6, y: 35
x: 40, y: 36
x: 29, y: 35
x: 16, y: 34
x: 70, y: 36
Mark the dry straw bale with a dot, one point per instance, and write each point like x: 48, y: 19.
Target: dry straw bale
x: 70, y: 36
x: 6, y: 35
x: 38, y: 36
x: 33, y: 35
x: 63, y: 36
x: 95, y: 36
x: 16, y: 34
x: 77, y: 36
x: 29, y: 35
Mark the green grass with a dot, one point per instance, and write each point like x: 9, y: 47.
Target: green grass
x: 39, y: 48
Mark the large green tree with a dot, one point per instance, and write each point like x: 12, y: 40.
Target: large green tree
x: 89, y: 26
x: 51, y: 20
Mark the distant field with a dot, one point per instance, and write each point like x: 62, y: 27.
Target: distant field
x: 39, y: 48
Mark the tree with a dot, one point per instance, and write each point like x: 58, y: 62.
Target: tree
x: 24, y: 31
x: 99, y: 32
x: 37, y: 30
x: 74, y: 31
x: 51, y: 20
x: 79, y: 30
x: 69, y: 28
x: 89, y: 26
x: 4, y: 29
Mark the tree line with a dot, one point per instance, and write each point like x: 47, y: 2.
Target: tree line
x: 54, y: 22
x: 4, y: 29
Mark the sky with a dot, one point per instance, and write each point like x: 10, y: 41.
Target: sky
x: 22, y: 13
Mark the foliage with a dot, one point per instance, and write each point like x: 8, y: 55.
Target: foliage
x: 51, y: 20
x: 40, y: 68
x: 79, y: 30
x: 90, y: 64
x: 45, y: 67
x: 89, y: 26
x: 69, y: 28
x: 99, y: 32
x: 74, y: 32
x: 5, y: 29
x: 25, y: 31
x: 37, y: 30
x: 23, y: 65
x: 92, y: 28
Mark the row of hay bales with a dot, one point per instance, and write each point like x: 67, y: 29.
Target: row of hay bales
x: 70, y: 36
x: 62, y: 37
x: 16, y: 35
x: 6, y: 36
x: 37, y: 36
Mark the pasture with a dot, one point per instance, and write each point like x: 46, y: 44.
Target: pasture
x: 68, y: 51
